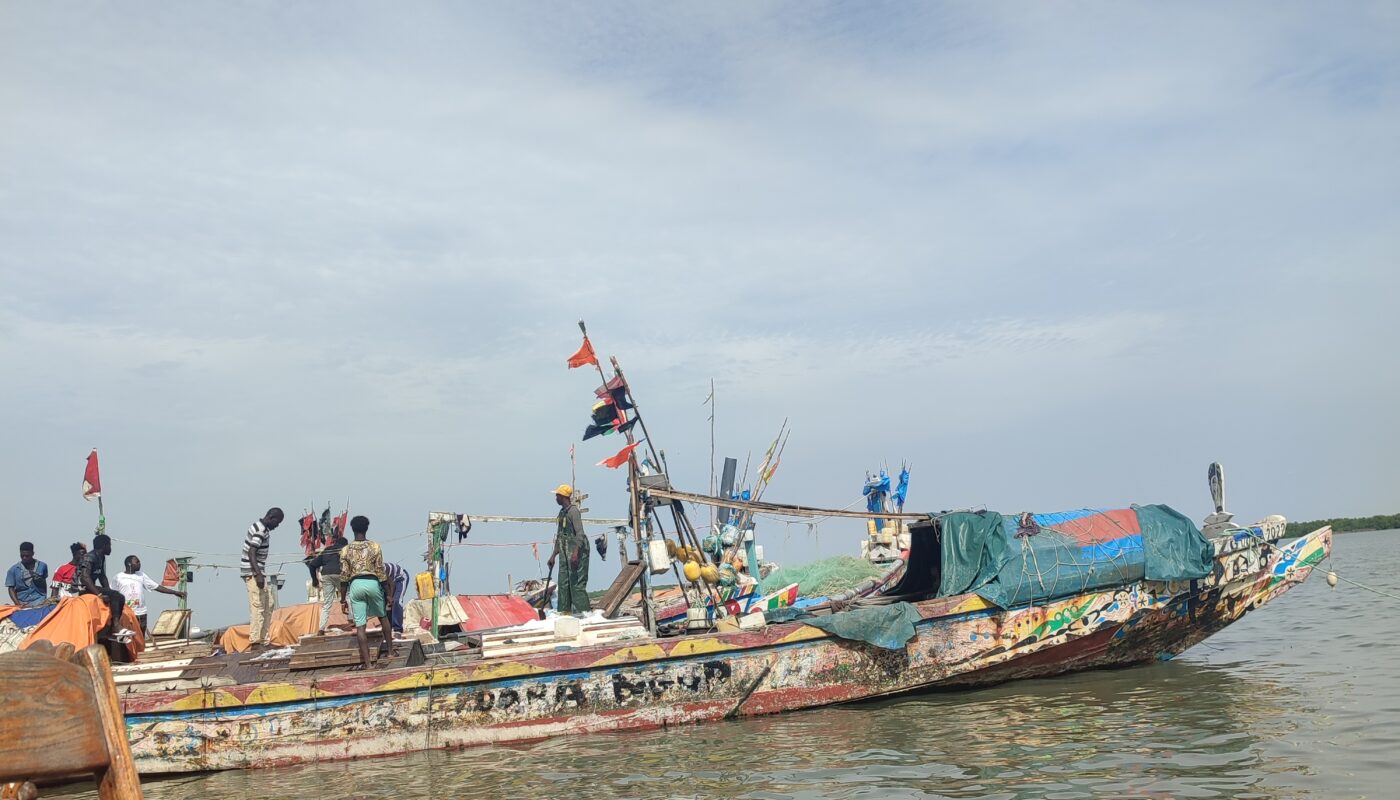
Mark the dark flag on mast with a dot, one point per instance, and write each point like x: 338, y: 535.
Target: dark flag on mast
x: 610, y: 412
x: 615, y: 392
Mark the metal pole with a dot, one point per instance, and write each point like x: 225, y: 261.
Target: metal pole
x: 183, y: 564
x: 634, y: 489
x: 437, y: 532
x: 635, y: 409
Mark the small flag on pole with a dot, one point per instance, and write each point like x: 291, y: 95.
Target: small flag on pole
x: 768, y: 476
x: 621, y: 458
x: 584, y: 356
x: 171, y: 578
x: 92, y: 484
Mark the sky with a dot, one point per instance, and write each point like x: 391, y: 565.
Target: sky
x: 1051, y: 255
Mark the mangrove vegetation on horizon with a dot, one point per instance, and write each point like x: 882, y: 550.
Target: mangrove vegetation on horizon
x: 1380, y: 522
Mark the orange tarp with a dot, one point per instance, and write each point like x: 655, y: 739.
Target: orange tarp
x: 6, y: 611
x: 77, y: 620
x: 289, y: 624
x: 235, y: 638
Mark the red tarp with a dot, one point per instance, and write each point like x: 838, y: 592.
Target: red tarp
x: 495, y: 611
x: 1101, y: 526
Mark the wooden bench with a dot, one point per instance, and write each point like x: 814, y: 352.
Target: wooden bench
x: 60, y: 719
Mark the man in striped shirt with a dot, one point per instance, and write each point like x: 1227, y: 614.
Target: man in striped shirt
x: 262, y: 592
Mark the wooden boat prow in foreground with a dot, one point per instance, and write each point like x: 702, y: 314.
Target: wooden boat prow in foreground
x: 456, y: 700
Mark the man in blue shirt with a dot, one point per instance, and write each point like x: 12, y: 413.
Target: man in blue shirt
x: 27, y: 580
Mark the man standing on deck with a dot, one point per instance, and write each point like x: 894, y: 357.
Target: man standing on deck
x: 325, y: 575
x: 365, y: 588
x: 26, y: 579
x: 570, y: 541
x: 133, y: 584
x: 262, y: 592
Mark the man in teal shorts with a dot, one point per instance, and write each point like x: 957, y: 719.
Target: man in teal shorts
x: 363, y: 589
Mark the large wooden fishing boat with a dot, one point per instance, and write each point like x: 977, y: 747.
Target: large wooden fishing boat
x: 972, y: 598
x: 461, y: 699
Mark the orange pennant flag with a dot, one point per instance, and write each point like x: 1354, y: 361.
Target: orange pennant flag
x: 621, y: 458
x: 584, y: 355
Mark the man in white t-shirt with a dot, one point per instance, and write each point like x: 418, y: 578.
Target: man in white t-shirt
x: 133, y: 585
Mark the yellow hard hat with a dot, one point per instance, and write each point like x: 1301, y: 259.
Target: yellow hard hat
x: 692, y: 571
x: 565, y: 489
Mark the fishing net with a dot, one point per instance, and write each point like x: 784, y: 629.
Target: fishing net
x: 826, y: 577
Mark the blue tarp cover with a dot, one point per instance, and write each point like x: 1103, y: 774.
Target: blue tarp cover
x: 1013, y: 560
x: 26, y: 618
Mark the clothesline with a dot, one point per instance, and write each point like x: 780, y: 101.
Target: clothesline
x: 294, y: 558
x: 494, y: 544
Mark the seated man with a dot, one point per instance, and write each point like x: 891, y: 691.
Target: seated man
x: 65, y: 578
x: 93, y: 576
x: 26, y: 579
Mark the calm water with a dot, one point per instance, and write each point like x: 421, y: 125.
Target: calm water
x: 1299, y: 699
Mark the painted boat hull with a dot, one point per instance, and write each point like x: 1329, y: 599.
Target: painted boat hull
x: 960, y: 642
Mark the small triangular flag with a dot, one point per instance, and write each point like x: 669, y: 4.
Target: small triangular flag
x: 621, y: 458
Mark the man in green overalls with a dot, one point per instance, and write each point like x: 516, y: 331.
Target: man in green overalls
x: 570, y: 541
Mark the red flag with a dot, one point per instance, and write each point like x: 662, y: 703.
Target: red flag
x: 621, y: 458
x: 172, y: 574
x: 92, y: 485
x: 584, y: 355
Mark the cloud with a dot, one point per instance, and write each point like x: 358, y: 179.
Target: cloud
x: 280, y: 254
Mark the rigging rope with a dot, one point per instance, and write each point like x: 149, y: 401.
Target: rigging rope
x: 1331, y: 572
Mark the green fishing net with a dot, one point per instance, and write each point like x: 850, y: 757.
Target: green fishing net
x: 826, y: 577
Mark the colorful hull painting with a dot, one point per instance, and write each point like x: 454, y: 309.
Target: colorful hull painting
x: 961, y: 641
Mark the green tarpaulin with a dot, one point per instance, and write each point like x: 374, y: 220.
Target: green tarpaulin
x: 1018, y: 559
x: 1176, y: 548
x: 883, y: 626
x: 974, y: 550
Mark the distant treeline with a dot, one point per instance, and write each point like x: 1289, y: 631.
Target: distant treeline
x: 1382, y: 522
